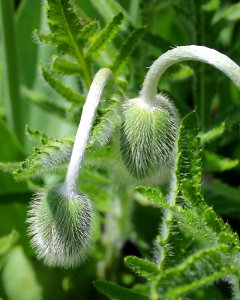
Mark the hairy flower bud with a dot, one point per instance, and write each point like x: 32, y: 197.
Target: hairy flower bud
x: 61, y: 228
x: 148, y: 135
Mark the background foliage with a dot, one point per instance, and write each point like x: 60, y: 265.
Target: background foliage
x: 199, y: 259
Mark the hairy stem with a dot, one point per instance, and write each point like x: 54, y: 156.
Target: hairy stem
x: 11, y: 89
x: 96, y: 89
x: 184, y: 53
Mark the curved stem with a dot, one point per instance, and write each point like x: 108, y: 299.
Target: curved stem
x: 184, y: 53
x: 89, y: 109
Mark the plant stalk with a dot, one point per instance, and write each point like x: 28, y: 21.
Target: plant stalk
x: 88, y: 113
x: 12, y: 87
x: 185, y: 53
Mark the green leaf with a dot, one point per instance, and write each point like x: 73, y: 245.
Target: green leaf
x: 65, y: 26
x: 212, y: 134
x: 154, y: 195
x: 127, y: 48
x: 68, y: 94
x: 35, y: 134
x: 104, y: 36
x: 103, y: 131
x: 216, y: 163
x: 178, y: 291
x: 19, y: 278
x: 49, y: 158
x: 142, y: 267
x: 43, y: 38
x: 65, y: 67
x: 189, y: 159
x: 6, y: 242
x: 88, y: 30
x: 114, y: 291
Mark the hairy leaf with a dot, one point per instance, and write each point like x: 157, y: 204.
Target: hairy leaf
x: 104, y: 36
x: 142, y: 267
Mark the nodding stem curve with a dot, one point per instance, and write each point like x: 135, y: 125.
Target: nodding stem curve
x: 184, y: 53
x: 88, y: 113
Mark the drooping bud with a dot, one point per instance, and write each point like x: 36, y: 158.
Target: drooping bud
x: 148, y: 135
x: 61, y: 227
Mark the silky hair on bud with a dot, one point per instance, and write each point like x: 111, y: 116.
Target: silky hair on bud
x: 148, y: 135
x: 61, y: 228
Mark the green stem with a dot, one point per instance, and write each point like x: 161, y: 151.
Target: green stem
x: 10, y: 64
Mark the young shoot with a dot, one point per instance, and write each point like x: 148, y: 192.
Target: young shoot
x: 62, y: 218
x: 150, y: 121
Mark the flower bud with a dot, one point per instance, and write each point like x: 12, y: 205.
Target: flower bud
x: 148, y: 135
x: 61, y: 227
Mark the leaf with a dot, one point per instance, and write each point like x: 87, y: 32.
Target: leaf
x: 114, y: 291
x: 65, y: 26
x: 212, y: 134
x: 216, y: 163
x: 104, y: 36
x: 183, y: 72
x: 19, y: 278
x: 154, y: 195
x: 176, y: 292
x: 103, y: 131
x: 65, y: 67
x: 189, y: 159
x: 35, y: 134
x: 61, y: 89
x: 127, y: 48
x: 49, y: 158
x: 88, y: 30
x: 6, y: 242
x: 200, y: 264
x: 142, y: 267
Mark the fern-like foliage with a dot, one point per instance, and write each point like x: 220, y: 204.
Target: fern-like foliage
x: 196, y: 248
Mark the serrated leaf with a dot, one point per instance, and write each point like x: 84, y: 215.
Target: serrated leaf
x: 68, y: 94
x: 49, y: 158
x: 65, y: 26
x: 104, y: 130
x: 189, y: 159
x: 154, y: 195
x: 114, y: 291
x: 88, y: 30
x: 6, y: 242
x: 212, y: 134
x: 216, y: 163
x: 65, y: 67
x: 104, y: 36
x: 178, y: 291
x: 127, y: 48
x: 43, y: 38
x: 35, y: 134
x: 142, y: 267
